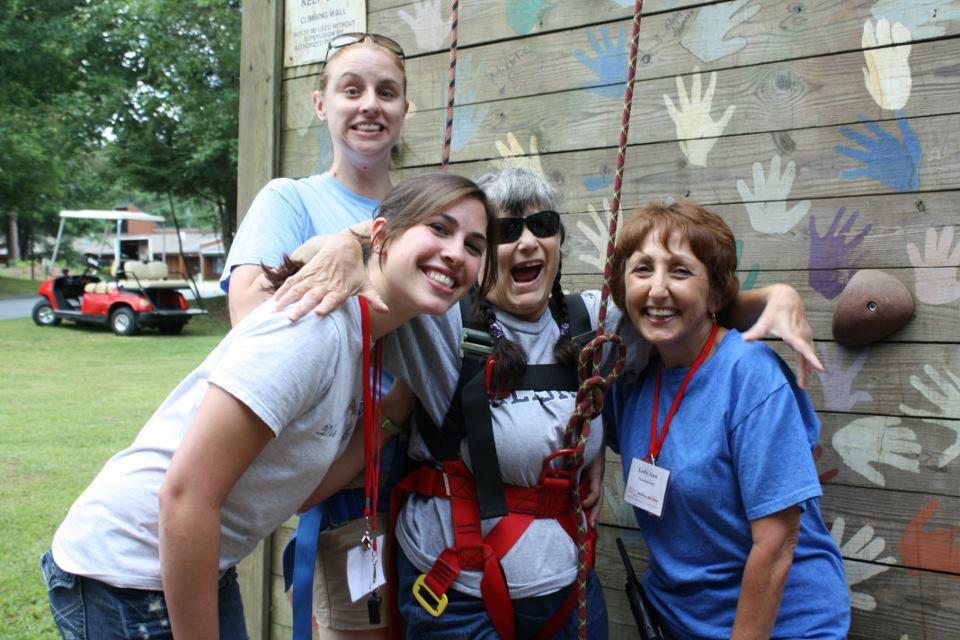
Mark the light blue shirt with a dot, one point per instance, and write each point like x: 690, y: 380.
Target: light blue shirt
x: 286, y: 213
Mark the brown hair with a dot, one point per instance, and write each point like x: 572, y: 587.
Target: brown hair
x: 408, y: 205
x: 369, y: 43
x: 709, y: 236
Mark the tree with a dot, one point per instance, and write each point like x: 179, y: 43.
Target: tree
x: 173, y: 125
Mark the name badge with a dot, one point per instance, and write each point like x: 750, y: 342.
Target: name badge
x: 646, y: 487
x: 362, y: 577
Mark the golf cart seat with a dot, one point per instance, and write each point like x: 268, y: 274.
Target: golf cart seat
x: 148, y: 275
x: 98, y: 287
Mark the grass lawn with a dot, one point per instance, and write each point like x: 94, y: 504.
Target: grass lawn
x: 18, y: 287
x: 70, y: 398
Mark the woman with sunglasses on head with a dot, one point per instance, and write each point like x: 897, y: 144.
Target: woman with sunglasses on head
x: 149, y: 549
x: 531, y: 325
x: 362, y: 100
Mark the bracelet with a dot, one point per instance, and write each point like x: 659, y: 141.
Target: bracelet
x: 389, y: 426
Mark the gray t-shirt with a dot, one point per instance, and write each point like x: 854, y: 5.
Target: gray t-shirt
x: 527, y: 426
x: 302, y: 379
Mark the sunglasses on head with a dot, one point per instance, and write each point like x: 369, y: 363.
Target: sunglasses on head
x: 542, y: 224
x: 347, y: 39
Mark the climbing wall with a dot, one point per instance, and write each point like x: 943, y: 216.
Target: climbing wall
x: 824, y: 132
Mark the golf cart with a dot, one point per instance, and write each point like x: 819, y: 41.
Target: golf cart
x: 137, y: 293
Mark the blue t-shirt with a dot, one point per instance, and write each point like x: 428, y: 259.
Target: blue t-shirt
x: 286, y: 213
x: 738, y: 449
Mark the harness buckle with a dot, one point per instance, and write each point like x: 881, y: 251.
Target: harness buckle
x: 476, y: 342
x: 488, y: 383
x: 438, y: 604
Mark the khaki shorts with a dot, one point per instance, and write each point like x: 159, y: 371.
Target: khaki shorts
x: 331, y: 595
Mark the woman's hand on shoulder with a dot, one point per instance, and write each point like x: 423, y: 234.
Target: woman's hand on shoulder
x: 784, y: 317
x: 333, y: 272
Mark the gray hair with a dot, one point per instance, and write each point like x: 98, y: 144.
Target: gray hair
x: 516, y: 190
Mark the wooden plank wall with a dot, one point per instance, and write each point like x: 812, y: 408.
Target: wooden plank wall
x: 827, y: 143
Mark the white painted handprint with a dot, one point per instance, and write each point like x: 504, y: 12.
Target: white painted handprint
x: 596, y: 233
x: 706, y: 36
x: 697, y: 131
x: 930, y: 287
x: 428, y: 24
x: 887, y: 74
x: 924, y: 18
x: 877, y: 440
x: 858, y: 552
x: 513, y: 155
x: 946, y: 398
x: 767, y: 202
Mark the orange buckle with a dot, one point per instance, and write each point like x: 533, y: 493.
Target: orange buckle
x: 488, y: 380
x: 438, y: 604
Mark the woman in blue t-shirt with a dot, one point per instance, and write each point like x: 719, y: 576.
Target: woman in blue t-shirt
x: 716, y: 441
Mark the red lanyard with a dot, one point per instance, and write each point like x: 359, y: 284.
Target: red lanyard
x: 656, y: 443
x: 372, y: 435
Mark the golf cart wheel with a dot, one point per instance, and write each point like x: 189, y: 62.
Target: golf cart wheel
x: 43, y: 315
x: 123, y: 321
x: 171, y: 328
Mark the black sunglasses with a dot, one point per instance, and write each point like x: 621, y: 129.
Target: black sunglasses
x: 347, y: 39
x: 542, y: 224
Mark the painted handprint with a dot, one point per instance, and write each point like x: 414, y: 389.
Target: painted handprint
x: 858, y: 553
x: 887, y: 74
x: 931, y: 549
x: 837, y: 380
x: 877, y: 440
x: 513, y: 155
x: 597, y: 182
x: 751, y: 278
x: 697, y: 131
x: 706, y: 37
x: 924, y: 18
x: 609, y: 62
x: 946, y: 398
x: 832, y: 260
x: 468, y: 117
x: 930, y: 288
x: 596, y: 232
x: 523, y: 15
x: 428, y: 24
x: 767, y: 203
x: 895, y: 163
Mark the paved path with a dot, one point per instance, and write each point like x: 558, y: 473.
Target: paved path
x: 16, y: 307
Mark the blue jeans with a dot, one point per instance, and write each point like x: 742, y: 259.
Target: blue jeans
x: 465, y: 617
x: 87, y: 609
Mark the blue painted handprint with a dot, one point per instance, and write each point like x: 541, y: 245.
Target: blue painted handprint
x: 895, y: 163
x: 597, y: 182
x: 523, y: 15
x: 832, y: 260
x: 609, y: 63
x: 467, y: 118
x: 751, y: 279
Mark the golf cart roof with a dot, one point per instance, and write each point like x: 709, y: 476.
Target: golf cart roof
x: 95, y: 214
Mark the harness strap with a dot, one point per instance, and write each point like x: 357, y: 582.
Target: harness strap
x: 550, y: 498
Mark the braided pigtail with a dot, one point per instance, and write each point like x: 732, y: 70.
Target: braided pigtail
x: 566, y: 350
x: 511, y: 358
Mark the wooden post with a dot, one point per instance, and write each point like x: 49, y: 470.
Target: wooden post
x: 261, y: 66
x: 261, y: 70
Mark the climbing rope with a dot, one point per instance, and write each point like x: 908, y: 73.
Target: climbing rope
x: 451, y: 86
x: 593, y: 386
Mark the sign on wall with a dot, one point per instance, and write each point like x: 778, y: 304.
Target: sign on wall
x: 310, y: 24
